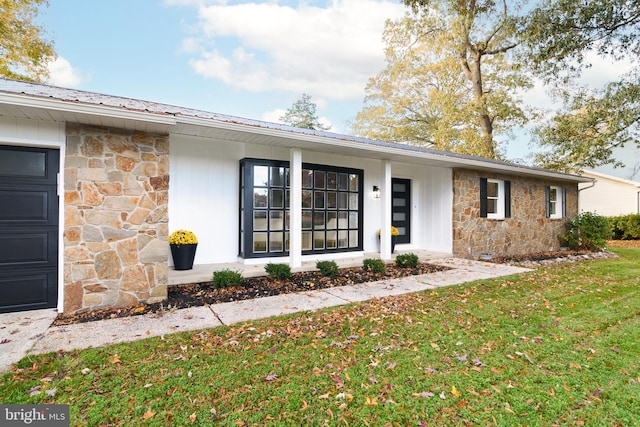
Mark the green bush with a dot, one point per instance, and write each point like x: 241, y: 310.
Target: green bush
x: 226, y: 278
x: 278, y: 271
x: 625, y: 227
x: 374, y: 264
x: 587, y: 231
x: 328, y: 268
x: 407, y: 260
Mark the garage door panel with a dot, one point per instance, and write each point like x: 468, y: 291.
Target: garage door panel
x: 26, y: 248
x: 20, y: 206
x: 30, y: 292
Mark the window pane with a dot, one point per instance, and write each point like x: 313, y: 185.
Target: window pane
x: 343, y: 239
x: 287, y: 200
x: 306, y: 240
x: 343, y: 181
x: 332, y: 239
x: 275, y: 242
x: 343, y: 220
x: 260, y: 198
x: 552, y: 208
x: 260, y: 220
x: 259, y: 242
x: 287, y: 220
x: 277, y: 177
x: 318, y: 199
x: 332, y: 180
x: 318, y: 178
x: 318, y: 240
x: 22, y: 163
x: 306, y: 199
x: 492, y: 206
x: 332, y: 200
x: 261, y: 176
x: 399, y: 187
x: 399, y: 201
x: 402, y: 231
x: 353, y: 238
x: 332, y: 219
x: 307, y: 178
x: 353, y: 201
x: 353, y: 219
x: 276, y: 220
x: 353, y: 182
x: 342, y: 200
x: 277, y: 200
x: 553, y: 194
x: 399, y: 216
x: 318, y: 220
x: 492, y: 189
x: 307, y: 220
x: 286, y: 241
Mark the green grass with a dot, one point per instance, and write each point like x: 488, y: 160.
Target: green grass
x: 558, y: 346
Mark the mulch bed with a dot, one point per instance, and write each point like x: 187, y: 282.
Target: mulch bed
x: 199, y: 294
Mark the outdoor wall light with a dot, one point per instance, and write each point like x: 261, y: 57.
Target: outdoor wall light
x: 376, y: 192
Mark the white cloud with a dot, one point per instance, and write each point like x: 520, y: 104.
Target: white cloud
x: 61, y: 73
x: 327, y: 52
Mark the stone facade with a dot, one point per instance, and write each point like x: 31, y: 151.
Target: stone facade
x: 527, y: 231
x: 115, y: 217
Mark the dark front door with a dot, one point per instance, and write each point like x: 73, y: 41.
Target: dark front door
x: 28, y: 228
x: 401, y: 208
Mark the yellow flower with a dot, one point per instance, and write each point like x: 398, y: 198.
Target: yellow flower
x: 394, y: 231
x: 182, y: 237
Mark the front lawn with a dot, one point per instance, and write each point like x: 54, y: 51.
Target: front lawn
x: 558, y: 346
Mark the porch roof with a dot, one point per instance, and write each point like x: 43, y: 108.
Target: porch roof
x: 25, y: 100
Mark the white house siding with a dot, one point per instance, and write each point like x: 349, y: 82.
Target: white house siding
x: 610, y: 196
x: 204, y: 195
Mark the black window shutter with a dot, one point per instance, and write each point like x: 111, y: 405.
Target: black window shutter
x: 564, y: 202
x: 483, y: 197
x: 507, y: 199
x: 547, y: 201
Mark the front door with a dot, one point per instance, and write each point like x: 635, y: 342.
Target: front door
x: 401, y: 208
x: 28, y: 228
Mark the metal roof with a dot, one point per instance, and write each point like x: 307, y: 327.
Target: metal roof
x: 43, y: 102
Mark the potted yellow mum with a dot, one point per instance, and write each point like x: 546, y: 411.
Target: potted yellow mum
x: 394, y: 234
x: 183, y: 245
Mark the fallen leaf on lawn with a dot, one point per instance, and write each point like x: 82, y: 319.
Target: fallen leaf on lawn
x: 575, y: 365
x: 323, y: 396
x: 478, y: 362
x: 615, y: 349
x: 371, y: 401
x: 455, y: 391
x: 51, y: 391
x: 193, y: 417
x: 114, y: 359
x: 435, y: 346
x: 148, y: 414
x: 35, y: 390
x: 304, y: 405
x: 147, y: 385
x: 425, y: 394
x: 462, y: 358
x: 431, y: 371
x: 443, y: 396
x: 271, y: 377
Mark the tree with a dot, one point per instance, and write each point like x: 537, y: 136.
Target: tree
x: 302, y: 114
x: 24, y: 54
x: 558, y: 35
x: 449, y: 81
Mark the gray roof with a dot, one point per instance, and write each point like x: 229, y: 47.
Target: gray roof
x: 66, y: 98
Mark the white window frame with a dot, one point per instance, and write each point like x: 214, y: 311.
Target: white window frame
x: 555, y: 205
x: 499, y: 214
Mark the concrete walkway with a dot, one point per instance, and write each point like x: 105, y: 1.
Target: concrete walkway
x: 31, y: 332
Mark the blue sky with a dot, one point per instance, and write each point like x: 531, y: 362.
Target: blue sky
x: 250, y: 59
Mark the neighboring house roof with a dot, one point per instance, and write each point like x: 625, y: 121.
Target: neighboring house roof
x: 42, y: 102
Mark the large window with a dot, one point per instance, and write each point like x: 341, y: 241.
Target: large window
x: 331, y: 208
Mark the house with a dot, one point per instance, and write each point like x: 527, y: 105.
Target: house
x: 91, y: 185
x: 609, y: 195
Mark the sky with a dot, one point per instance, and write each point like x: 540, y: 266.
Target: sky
x: 251, y: 59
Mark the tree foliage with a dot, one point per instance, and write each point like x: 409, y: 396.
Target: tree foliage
x: 558, y: 36
x: 24, y: 53
x: 302, y: 114
x: 449, y: 82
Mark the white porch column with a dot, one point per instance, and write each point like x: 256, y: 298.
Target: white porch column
x: 295, y: 214
x: 385, y: 226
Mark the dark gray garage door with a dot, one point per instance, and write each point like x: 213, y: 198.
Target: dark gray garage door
x: 28, y: 228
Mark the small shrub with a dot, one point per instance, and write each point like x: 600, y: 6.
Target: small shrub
x: 226, y: 278
x: 625, y: 227
x: 328, y: 268
x: 374, y: 264
x: 587, y: 231
x: 278, y: 271
x: 407, y: 260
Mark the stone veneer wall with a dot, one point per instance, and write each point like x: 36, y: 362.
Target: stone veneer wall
x: 527, y: 231
x: 116, y: 219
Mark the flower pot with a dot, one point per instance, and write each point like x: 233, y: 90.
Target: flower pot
x: 393, y: 243
x: 183, y: 256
